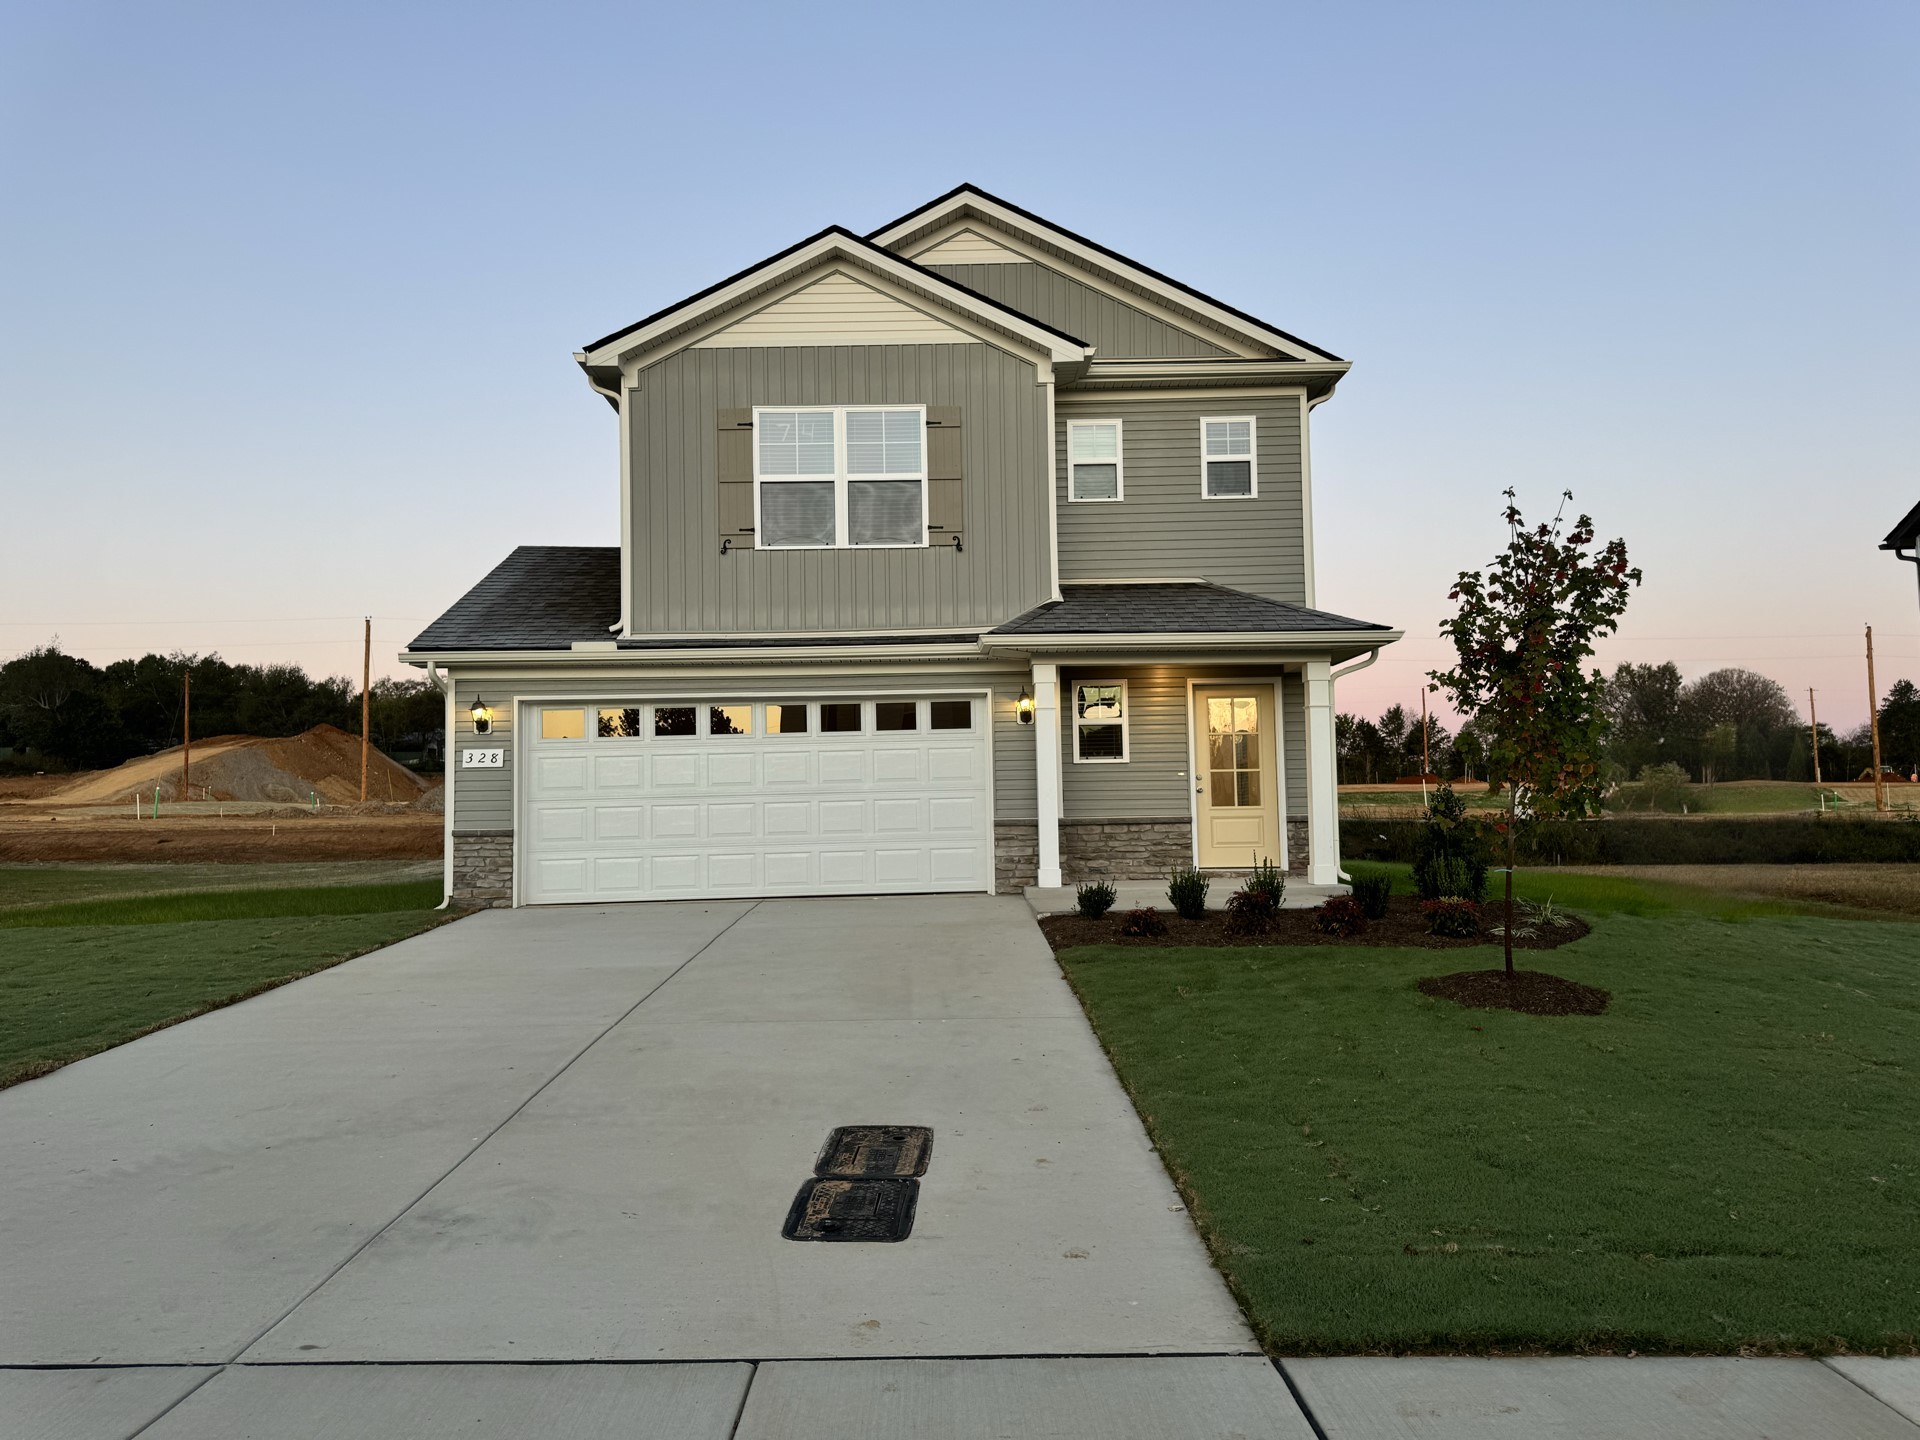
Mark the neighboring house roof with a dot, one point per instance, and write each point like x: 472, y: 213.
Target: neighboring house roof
x: 963, y: 199
x: 1906, y: 534
x: 1175, y: 607
x: 541, y: 597
x: 742, y: 285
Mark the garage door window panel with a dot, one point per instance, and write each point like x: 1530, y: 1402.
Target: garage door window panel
x: 787, y: 720
x: 729, y: 720
x: 670, y: 721
x: 951, y: 714
x: 896, y: 715
x: 840, y: 717
x: 620, y: 722
x: 563, y: 724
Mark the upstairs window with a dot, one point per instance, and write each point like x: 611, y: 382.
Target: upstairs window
x: 1226, y: 449
x: 1094, y: 469
x: 839, y: 477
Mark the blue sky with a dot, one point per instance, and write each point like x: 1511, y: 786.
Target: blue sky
x: 288, y: 293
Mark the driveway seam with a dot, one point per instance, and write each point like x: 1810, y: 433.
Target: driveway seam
x: 474, y: 1149
x: 215, y: 1373
x: 740, y: 1413
x: 1306, y: 1410
x: 1826, y: 1363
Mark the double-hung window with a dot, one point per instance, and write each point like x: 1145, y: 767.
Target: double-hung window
x: 1230, y: 470
x: 1099, y: 721
x: 1094, y: 468
x: 833, y: 477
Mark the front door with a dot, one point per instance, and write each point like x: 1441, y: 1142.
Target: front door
x: 1236, y: 805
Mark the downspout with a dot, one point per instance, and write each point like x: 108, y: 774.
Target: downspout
x: 615, y: 399
x: 1332, y: 677
x: 445, y: 684
x: 1912, y: 557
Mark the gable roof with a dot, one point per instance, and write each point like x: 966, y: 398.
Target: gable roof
x: 1904, y: 535
x: 541, y: 597
x: 1174, y: 607
x: 970, y: 200
x: 834, y: 242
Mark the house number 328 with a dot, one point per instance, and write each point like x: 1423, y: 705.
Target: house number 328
x: 489, y: 759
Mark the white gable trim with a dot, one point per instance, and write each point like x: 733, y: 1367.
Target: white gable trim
x: 1017, y: 232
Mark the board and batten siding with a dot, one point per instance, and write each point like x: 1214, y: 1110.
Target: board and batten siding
x: 1164, y: 527
x: 1116, y: 330
x: 1155, y: 782
x: 683, y: 585
x: 483, y: 799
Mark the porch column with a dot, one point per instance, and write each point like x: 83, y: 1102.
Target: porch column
x: 1046, y: 767
x: 1323, y: 779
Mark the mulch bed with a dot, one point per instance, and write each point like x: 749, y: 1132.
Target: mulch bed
x: 1531, y: 992
x: 1403, y: 925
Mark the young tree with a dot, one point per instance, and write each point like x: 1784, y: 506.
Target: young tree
x: 1521, y: 636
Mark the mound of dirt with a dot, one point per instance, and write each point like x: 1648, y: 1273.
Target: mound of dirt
x: 323, y: 762
x: 1531, y: 992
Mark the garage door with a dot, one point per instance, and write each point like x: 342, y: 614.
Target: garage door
x: 660, y: 800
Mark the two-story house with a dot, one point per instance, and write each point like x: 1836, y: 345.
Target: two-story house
x: 964, y: 555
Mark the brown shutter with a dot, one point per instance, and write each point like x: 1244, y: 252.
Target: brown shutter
x: 946, y: 498
x: 734, y: 444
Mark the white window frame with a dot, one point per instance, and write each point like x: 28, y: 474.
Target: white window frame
x: 840, y: 478
x: 1252, y: 422
x: 1119, y: 463
x: 1126, y: 723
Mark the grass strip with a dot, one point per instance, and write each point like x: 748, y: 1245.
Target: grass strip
x: 216, y: 905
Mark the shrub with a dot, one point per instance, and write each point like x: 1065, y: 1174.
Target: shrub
x: 1187, y: 893
x: 1661, y: 787
x: 1452, y: 916
x: 1342, y: 915
x: 1251, y: 911
x: 1450, y: 857
x: 1266, y: 879
x: 1144, y: 921
x: 1371, y: 892
x: 1096, y: 898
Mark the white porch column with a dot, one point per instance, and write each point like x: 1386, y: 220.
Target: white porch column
x: 1323, y: 779
x: 1046, y: 767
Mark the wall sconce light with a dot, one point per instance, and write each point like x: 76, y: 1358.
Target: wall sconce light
x: 1023, y: 708
x: 482, y: 717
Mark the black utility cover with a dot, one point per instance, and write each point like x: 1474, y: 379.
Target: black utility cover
x: 876, y: 1151
x: 835, y: 1209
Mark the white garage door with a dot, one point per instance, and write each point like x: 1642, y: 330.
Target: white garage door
x: 660, y: 800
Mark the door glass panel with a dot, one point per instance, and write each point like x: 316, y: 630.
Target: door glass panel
x: 840, y: 717
x: 896, y: 715
x: 563, y: 724
x: 673, y: 720
x: 729, y: 719
x: 786, y: 719
x: 620, y: 722
x: 952, y: 714
x: 1233, y: 751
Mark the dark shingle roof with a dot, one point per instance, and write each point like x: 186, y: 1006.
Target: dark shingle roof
x: 541, y: 597
x: 1903, y: 535
x: 1183, y: 607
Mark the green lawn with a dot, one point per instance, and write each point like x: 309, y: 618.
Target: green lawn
x: 81, y: 977
x: 50, y: 884
x: 1726, y: 1160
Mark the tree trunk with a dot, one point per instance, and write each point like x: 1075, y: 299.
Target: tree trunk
x: 1513, y: 819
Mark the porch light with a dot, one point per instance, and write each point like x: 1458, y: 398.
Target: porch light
x: 1023, y: 708
x: 482, y: 717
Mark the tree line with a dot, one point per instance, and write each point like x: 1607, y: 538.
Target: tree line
x: 58, y: 711
x: 1732, y: 724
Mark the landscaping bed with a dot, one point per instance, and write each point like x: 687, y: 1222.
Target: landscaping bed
x: 1404, y: 925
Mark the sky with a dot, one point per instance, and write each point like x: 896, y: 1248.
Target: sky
x: 289, y: 293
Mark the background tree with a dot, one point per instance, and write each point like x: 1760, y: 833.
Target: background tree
x: 1522, y: 633
x: 1740, y: 725
x: 1643, y: 715
x: 1900, y: 728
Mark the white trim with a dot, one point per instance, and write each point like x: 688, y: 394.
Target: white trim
x: 1048, y: 793
x: 1075, y: 723
x: 1081, y: 393
x: 841, y: 478
x: 1119, y: 460
x: 1252, y: 422
x: 449, y: 763
x: 1053, y: 490
x: 1308, y: 587
x: 1161, y: 293
x: 1273, y: 683
x: 1323, y: 779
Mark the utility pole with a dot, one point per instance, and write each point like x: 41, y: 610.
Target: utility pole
x: 1813, y: 724
x: 366, y: 680
x: 1873, y: 721
x: 186, y: 735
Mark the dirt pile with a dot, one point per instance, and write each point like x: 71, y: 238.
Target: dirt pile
x: 323, y: 762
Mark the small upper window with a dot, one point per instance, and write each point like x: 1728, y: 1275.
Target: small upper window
x: 1226, y: 448
x: 1099, y: 721
x: 618, y: 723
x: 1093, y: 460
x: 951, y: 714
x: 840, y: 717
x: 563, y: 724
x: 669, y: 720
x: 729, y: 720
x: 786, y: 719
x: 896, y: 715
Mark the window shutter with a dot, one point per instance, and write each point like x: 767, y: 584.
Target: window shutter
x: 734, y: 444
x: 946, y: 499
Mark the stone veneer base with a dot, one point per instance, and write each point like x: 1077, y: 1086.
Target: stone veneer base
x: 483, y: 868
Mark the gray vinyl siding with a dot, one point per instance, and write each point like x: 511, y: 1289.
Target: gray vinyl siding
x: 483, y: 799
x: 1164, y: 528
x: 683, y: 585
x: 1117, y: 330
x: 1156, y: 780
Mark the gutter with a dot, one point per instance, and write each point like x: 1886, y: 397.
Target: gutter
x: 1912, y: 557
x: 1333, y: 676
x: 444, y: 683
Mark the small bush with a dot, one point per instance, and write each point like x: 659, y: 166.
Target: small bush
x: 1096, y: 898
x: 1267, y: 880
x: 1187, y: 893
x: 1142, y: 922
x: 1660, y: 787
x: 1342, y: 915
x: 1371, y: 893
x: 1452, y: 917
x: 1251, y: 911
x: 1543, y: 915
x: 1450, y: 857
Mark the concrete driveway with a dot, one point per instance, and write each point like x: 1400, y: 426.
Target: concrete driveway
x: 366, y: 1201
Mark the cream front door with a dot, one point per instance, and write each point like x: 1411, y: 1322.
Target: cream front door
x: 1236, y: 805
